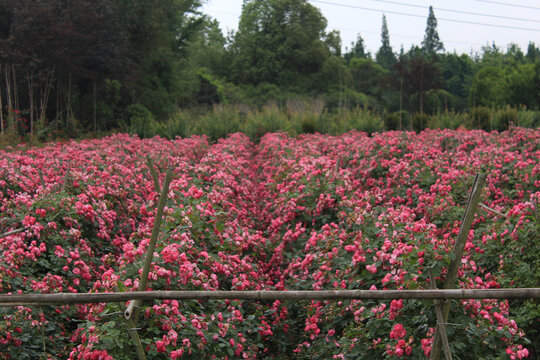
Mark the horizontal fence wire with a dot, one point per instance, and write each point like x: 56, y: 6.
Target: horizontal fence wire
x: 441, y: 294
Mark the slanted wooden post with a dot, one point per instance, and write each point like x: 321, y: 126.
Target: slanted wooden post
x: 457, y: 254
x: 133, y: 307
x: 131, y: 313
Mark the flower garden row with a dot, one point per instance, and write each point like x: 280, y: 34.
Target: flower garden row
x: 313, y: 212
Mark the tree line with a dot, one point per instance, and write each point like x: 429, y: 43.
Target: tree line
x: 80, y: 66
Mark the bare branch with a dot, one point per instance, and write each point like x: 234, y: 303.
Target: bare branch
x: 16, y: 231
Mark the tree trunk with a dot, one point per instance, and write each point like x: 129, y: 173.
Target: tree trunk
x: 1, y: 108
x: 44, y: 100
x: 15, y: 96
x: 30, y: 81
x: 95, y: 121
x: 68, y: 103
x: 9, y: 101
x: 400, y: 100
x: 422, y: 91
x: 57, y: 102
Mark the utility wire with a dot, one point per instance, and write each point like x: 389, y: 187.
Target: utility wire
x: 423, y: 17
x: 365, y: 31
x: 458, y: 11
x: 362, y: 31
x: 507, y: 4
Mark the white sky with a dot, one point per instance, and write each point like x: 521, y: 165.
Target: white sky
x: 347, y: 17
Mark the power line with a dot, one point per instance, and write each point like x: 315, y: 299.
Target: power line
x: 423, y: 17
x: 458, y: 11
x: 512, y: 5
x: 358, y: 31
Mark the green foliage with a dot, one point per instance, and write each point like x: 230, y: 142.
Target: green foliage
x: 447, y: 120
x: 385, y: 56
x: 458, y: 72
x: 432, y: 43
x: 357, y: 50
x: 437, y: 101
x: 397, y: 121
x: 140, y: 120
x: 528, y: 118
x: 487, y: 88
x: 367, y: 76
x: 299, y: 116
x: 504, y: 118
x: 420, y: 121
x: 517, y: 257
x: 280, y: 42
x: 171, y: 59
x: 480, y: 118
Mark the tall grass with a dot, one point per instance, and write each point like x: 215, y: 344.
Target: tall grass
x: 302, y: 116
x: 299, y: 116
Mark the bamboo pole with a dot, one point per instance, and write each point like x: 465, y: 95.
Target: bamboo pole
x: 448, y: 294
x: 133, y: 334
x: 133, y: 307
x: 457, y: 254
x: 442, y: 329
x: 440, y: 321
x: 1, y: 109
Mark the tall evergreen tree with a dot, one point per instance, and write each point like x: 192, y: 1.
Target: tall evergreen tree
x: 385, y: 56
x: 533, y: 53
x: 432, y: 44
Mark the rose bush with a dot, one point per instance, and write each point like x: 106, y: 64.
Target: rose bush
x: 313, y: 212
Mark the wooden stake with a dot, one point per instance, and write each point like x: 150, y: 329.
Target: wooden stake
x: 133, y: 307
x: 457, y: 253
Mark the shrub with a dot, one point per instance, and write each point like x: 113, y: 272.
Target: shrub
x: 449, y: 120
x: 398, y: 120
x: 480, y: 118
x: 420, y: 121
x: 528, y: 118
x: 141, y: 121
x: 503, y: 118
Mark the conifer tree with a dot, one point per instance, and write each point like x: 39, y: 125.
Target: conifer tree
x: 357, y: 50
x: 385, y: 56
x: 432, y: 43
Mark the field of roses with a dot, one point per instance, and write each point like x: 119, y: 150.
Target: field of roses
x: 314, y: 212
